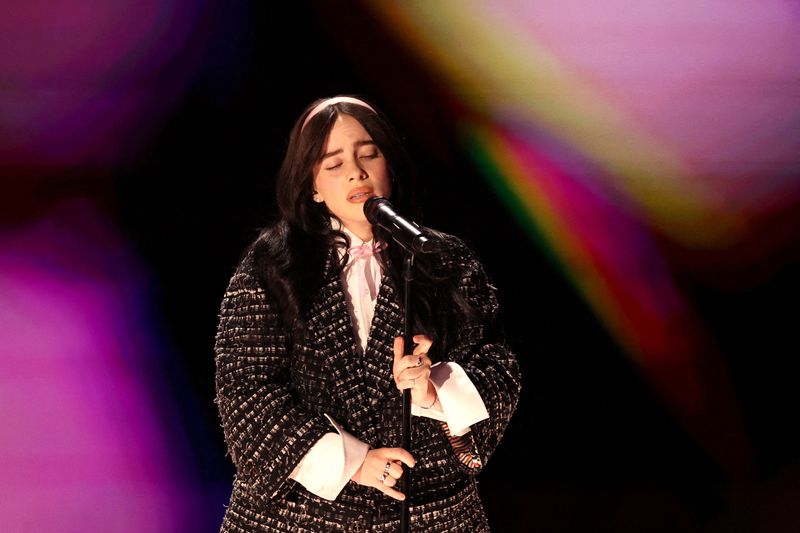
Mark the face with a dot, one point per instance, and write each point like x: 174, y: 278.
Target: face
x: 351, y: 171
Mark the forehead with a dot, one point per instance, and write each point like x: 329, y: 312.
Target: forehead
x: 346, y: 129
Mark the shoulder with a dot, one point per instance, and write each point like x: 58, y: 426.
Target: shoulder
x: 266, y: 249
x: 459, y: 262
x: 248, y: 272
x: 454, y: 251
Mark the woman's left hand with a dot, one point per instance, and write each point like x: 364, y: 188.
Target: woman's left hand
x: 414, y: 371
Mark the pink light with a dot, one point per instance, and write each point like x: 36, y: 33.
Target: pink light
x: 82, y: 443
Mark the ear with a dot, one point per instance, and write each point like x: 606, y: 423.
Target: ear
x: 316, y: 197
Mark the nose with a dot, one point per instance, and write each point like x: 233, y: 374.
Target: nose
x: 357, y: 172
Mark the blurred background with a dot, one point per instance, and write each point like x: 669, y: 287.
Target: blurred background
x: 627, y: 171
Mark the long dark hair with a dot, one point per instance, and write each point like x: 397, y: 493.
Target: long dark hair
x: 291, y: 256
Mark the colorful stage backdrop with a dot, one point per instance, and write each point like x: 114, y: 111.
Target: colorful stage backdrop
x: 640, y: 144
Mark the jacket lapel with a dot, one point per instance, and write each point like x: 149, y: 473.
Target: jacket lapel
x: 379, y: 355
x: 361, y: 382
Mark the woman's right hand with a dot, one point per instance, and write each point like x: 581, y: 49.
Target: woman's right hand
x: 381, y: 469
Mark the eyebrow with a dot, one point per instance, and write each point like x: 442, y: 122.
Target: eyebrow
x: 340, y: 150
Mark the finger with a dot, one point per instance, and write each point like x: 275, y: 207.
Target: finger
x: 421, y: 350
x: 421, y: 337
x: 404, y: 372
x: 403, y: 384
x: 423, y: 344
x: 399, y: 454
x: 390, y: 481
x: 398, y: 350
x: 389, y: 491
x: 418, y: 360
x: 418, y: 373
x: 395, y: 471
x: 420, y: 383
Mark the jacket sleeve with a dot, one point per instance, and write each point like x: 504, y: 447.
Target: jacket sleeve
x: 480, y: 349
x: 266, y: 430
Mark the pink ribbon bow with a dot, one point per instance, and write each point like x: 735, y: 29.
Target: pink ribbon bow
x: 366, y: 249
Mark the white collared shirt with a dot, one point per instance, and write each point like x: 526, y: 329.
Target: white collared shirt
x: 361, y: 281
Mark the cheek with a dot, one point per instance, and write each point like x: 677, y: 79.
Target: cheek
x: 386, y: 187
x: 385, y: 181
x: 319, y: 185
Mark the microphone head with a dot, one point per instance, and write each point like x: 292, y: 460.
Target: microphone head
x: 372, y: 206
x: 380, y: 212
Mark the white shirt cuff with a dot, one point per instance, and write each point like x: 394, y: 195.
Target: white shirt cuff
x: 461, y: 403
x: 330, y: 463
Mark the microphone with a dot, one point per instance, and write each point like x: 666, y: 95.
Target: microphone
x: 408, y: 234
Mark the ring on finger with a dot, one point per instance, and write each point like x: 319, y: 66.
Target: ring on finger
x: 387, y: 467
x: 419, y: 361
x: 382, y: 477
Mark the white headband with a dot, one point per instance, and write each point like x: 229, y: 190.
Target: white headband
x: 335, y: 100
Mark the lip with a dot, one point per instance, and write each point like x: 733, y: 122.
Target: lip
x: 359, y: 195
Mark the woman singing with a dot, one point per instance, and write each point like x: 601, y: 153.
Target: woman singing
x: 310, y: 358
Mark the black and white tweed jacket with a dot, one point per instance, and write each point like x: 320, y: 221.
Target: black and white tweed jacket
x: 272, y: 396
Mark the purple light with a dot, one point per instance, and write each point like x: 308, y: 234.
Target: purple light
x: 83, y: 80
x: 82, y: 442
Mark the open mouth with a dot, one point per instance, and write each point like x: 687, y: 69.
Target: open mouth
x: 360, y: 195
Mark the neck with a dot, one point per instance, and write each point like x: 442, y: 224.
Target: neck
x: 362, y: 231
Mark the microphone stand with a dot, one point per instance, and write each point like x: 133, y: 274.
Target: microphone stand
x: 411, y: 238
x: 408, y: 344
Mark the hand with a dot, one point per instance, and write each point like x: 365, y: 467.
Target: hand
x: 414, y: 371
x: 382, y: 468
